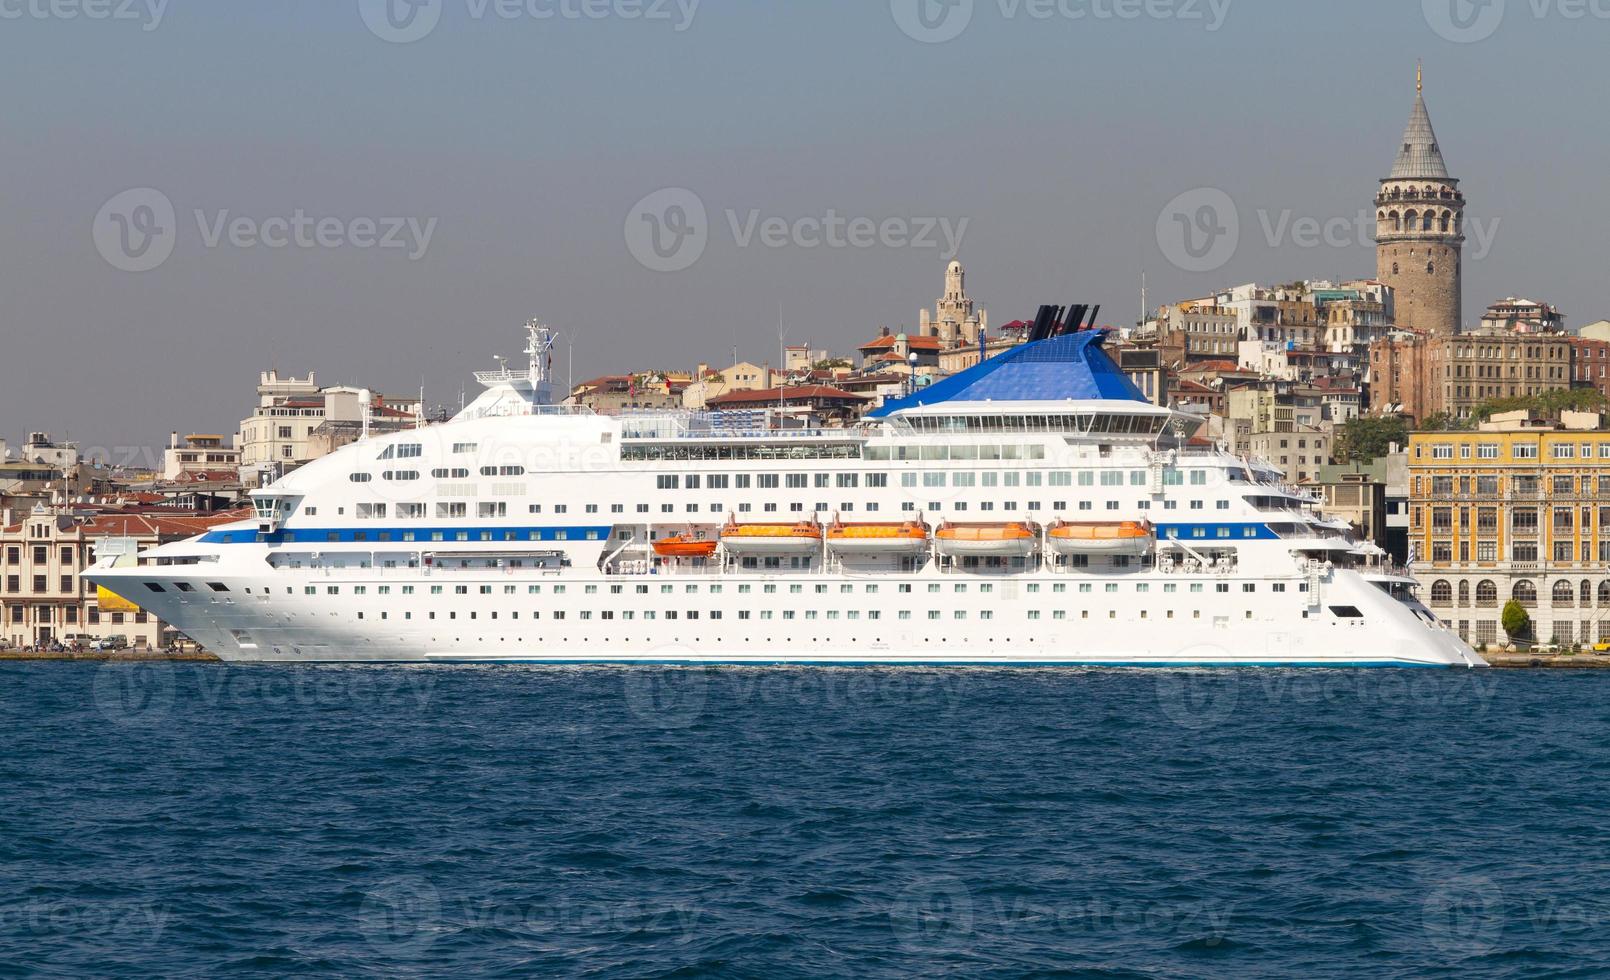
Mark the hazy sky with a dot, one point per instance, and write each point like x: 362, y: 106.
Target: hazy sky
x: 517, y: 146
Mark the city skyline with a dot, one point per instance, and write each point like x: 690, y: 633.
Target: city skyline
x: 510, y: 188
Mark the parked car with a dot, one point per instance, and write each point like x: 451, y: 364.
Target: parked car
x: 116, y: 641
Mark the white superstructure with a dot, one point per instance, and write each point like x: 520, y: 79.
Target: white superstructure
x: 1032, y: 510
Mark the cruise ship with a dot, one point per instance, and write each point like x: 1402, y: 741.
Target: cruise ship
x: 1034, y: 509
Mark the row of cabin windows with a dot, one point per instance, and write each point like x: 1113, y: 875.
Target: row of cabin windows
x: 986, y: 478
x: 831, y: 615
x: 821, y: 588
x: 493, y: 510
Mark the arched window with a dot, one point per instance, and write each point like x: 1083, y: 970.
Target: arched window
x: 1584, y: 593
x: 1411, y: 218
x: 1396, y: 219
x: 1425, y: 222
x: 1431, y: 269
x: 1441, y: 592
x: 1604, y: 593
x: 1524, y: 592
x: 1464, y: 593
x: 1447, y: 219
x: 1564, y: 595
x: 1487, y: 593
x: 1394, y: 268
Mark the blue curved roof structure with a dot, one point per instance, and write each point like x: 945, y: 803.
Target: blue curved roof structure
x: 1072, y: 366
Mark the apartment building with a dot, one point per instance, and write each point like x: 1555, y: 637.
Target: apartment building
x: 1517, y: 509
x: 42, y: 597
x: 1428, y: 374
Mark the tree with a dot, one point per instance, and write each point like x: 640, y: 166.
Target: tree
x: 1370, y: 437
x: 1444, y: 422
x: 1549, y: 404
x: 1517, y: 623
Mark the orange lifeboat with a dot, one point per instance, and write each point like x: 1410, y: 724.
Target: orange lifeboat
x: 684, y: 546
x: 1101, y: 538
x: 900, y: 538
x: 772, y: 539
x: 1014, y: 539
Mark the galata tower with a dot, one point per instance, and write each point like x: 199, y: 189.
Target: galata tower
x: 1420, y: 230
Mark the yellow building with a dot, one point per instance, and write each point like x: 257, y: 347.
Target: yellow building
x: 1514, y: 510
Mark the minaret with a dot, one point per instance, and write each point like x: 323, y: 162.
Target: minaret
x: 1419, y: 229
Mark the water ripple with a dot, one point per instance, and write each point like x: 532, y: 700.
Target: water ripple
x: 263, y: 821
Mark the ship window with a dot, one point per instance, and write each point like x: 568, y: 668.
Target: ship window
x: 154, y: 587
x: 361, y: 477
x: 218, y: 586
x: 184, y: 586
x: 1346, y: 612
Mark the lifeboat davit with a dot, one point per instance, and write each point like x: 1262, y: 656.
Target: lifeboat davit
x: 1133, y: 538
x: 684, y: 546
x: 772, y: 539
x: 1015, y: 539
x: 900, y: 538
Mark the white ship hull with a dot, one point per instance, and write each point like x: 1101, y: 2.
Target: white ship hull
x: 1096, y: 628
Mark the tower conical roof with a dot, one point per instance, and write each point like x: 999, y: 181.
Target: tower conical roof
x: 1418, y: 155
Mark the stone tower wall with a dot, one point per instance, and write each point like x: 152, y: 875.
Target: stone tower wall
x: 1423, y: 265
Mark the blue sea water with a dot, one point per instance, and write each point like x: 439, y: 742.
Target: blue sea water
x: 195, y: 820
